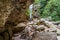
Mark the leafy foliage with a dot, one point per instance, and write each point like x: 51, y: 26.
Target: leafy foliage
x: 37, y: 1
x: 50, y: 8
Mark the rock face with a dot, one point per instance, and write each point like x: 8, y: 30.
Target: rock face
x: 45, y: 36
x: 12, y: 12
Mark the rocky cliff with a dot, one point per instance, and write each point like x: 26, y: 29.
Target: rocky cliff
x: 12, y: 12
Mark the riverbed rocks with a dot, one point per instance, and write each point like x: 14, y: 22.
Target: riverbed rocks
x: 38, y: 36
x: 45, y: 36
x: 44, y: 30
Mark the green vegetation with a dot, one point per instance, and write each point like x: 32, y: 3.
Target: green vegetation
x: 50, y: 8
x: 37, y: 1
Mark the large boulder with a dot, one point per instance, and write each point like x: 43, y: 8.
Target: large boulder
x: 45, y: 36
